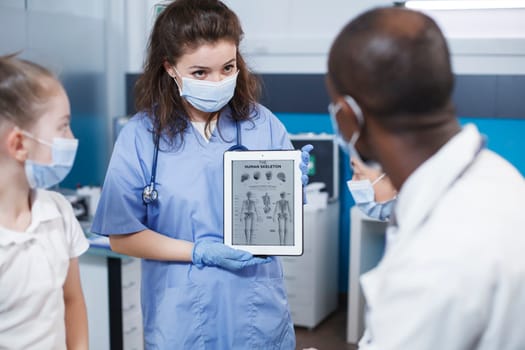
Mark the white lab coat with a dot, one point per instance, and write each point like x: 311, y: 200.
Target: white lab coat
x: 453, y: 277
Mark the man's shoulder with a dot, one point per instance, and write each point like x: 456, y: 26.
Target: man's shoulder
x: 490, y: 185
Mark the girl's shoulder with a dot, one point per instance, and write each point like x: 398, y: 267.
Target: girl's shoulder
x: 57, y: 211
x: 50, y: 205
x: 47, y: 196
x: 50, y: 199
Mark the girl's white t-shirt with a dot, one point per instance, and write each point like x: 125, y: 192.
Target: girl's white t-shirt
x: 33, y: 269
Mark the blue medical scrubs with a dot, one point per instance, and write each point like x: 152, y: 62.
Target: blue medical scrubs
x: 186, y: 307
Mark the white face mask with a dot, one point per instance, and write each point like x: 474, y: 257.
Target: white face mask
x: 63, y: 152
x: 364, y: 196
x: 207, y: 96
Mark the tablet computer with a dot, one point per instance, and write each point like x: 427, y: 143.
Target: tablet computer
x: 263, y: 202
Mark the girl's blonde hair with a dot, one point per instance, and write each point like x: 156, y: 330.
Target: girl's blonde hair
x: 24, y: 87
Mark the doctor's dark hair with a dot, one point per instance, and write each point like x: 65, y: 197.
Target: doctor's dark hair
x: 395, y: 63
x: 184, y: 26
x: 24, y: 88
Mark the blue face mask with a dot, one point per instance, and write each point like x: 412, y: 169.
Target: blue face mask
x: 348, y: 147
x: 207, y: 96
x: 63, y: 153
x: 363, y: 193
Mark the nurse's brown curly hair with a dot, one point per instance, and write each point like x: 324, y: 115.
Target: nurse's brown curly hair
x: 183, y: 26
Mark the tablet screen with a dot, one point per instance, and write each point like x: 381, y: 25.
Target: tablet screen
x: 263, y: 202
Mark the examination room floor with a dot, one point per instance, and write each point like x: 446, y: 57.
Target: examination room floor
x: 328, y: 335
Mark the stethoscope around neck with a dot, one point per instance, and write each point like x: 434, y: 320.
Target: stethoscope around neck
x: 149, y: 193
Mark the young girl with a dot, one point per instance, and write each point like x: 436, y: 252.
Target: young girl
x: 41, y: 300
x: 372, y: 190
x: 196, y: 99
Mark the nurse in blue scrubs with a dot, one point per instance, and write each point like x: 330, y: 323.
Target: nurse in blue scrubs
x: 196, y: 99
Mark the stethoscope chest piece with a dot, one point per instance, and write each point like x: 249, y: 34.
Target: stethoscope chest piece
x: 149, y: 194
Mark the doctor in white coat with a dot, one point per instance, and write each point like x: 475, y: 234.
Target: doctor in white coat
x: 453, y: 276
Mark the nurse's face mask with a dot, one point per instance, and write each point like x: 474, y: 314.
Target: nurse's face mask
x: 63, y: 152
x: 364, y: 196
x: 347, y: 146
x: 207, y: 96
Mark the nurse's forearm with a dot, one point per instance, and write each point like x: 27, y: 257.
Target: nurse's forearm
x: 149, y: 244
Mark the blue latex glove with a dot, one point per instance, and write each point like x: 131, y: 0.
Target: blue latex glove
x: 305, y: 159
x: 210, y: 253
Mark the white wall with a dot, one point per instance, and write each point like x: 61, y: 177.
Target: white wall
x: 139, y: 20
x: 116, y: 60
x: 294, y: 36
x: 485, y: 41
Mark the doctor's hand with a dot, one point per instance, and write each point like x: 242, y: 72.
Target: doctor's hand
x: 210, y: 253
x: 305, y: 160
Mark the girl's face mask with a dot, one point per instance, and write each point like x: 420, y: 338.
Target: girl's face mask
x: 63, y: 152
x: 363, y: 193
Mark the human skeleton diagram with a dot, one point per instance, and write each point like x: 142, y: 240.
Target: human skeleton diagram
x: 248, y: 214
x: 283, y: 214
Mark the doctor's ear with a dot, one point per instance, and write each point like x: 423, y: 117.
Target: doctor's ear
x: 16, y: 145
